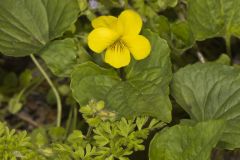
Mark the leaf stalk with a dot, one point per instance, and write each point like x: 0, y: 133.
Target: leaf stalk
x: 49, y: 81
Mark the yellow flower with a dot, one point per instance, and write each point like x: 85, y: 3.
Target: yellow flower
x: 120, y: 37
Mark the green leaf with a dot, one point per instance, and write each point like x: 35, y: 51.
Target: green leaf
x: 39, y: 137
x: 83, y: 5
x: 14, y: 104
x: 182, y: 142
x: 144, y: 92
x: 64, y: 89
x: 163, y: 4
x: 223, y: 59
x: 75, y: 137
x: 61, y: 56
x: 211, y: 91
x: 159, y: 59
x: 151, y: 8
x: 182, y: 36
x: 25, y: 78
x: 214, y: 18
x: 178, y: 34
x: 159, y: 24
x: 90, y: 81
x: 61, y: 14
x: 57, y: 133
x: 27, y: 26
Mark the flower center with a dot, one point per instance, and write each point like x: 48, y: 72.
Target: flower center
x: 118, y: 45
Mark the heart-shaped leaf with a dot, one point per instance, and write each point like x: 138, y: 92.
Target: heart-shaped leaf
x: 211, y: 91
x: 182, y: 142
x: 60, y: 56
x: 144, y: 92
x: 214, y: 18
x: 28, y: 25
x: 90, y: 81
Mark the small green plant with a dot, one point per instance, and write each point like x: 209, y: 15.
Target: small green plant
x: 106, y: 138
x: 95, y: 77
x: 16, y: 145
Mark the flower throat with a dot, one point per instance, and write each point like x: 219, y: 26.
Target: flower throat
x: 118, y: 45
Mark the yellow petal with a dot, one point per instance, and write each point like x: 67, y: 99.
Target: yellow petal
x: 101, y: 38
x: 104, y: 21
x: 117, y: 56
x: 131, y: 22
x: 138, y: 45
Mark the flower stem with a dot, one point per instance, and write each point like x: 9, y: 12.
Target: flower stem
x: 57, y: 96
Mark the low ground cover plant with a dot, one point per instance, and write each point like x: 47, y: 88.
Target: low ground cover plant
x: 119, y: 79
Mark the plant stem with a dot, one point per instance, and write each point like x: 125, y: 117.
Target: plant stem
x: 126, y: 4
x: 228, y: 45
x: 28, y: 119
x: 89, y: 131
x: 69, y: 121
x: 75, y: 116
x: 57, y: 96
x: 199, y: 54
x: 200, y: 57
